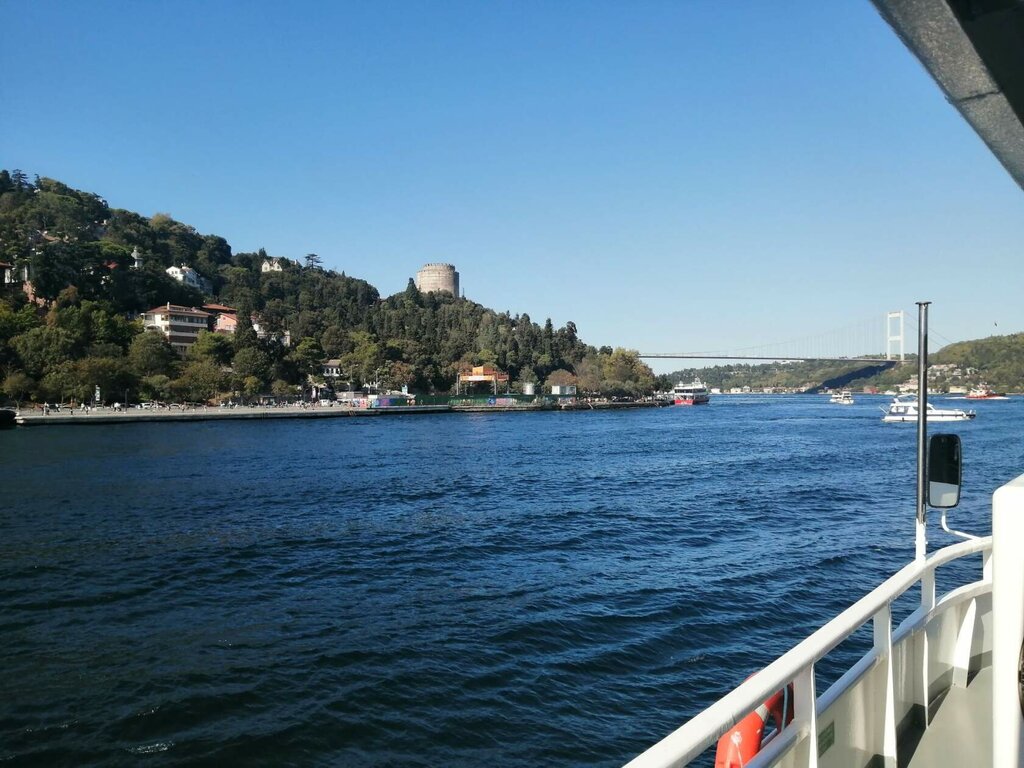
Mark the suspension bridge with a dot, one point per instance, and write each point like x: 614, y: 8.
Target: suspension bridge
x: 856, y: 343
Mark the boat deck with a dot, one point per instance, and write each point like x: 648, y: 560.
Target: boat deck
x: 960, y: 733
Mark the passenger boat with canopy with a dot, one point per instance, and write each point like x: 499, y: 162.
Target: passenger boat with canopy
x: 905, y: 409
x: 694, y: 393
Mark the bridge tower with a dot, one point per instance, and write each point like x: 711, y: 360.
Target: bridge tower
x: 894, y: 338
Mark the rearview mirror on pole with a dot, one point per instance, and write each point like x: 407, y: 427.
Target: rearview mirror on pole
x: 944, y: 471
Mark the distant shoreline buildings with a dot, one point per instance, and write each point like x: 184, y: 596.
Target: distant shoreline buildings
x: 438, y: 277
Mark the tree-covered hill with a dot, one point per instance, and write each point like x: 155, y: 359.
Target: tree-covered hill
x: 82, y: 329
x: 997, y: 361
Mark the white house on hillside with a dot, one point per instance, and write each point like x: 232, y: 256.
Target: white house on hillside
x: 190, y: 277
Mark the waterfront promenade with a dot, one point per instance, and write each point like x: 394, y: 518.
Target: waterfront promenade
x: 106, y: 415
x: 79, y: 416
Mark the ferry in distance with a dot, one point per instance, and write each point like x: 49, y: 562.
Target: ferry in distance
x: 984, y: 393
x: 694, y: 393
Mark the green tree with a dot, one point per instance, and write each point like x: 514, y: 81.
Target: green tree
x: 589, y: 374
x: 251, y: 362
x: 282, y: 388
x: 150, y: 354
x: 245, y: 335
x: 365, y: 360
x: 15, y: 321
x: 560, y: 378
x: 41, y: 349
x: 62, y: 384
x: 334, y: 341
x: 398, y: 375
x: 54, y: 267
x: 17, y: 385
x: 155, y: 387
x: 199, y: 381
x: 252, y: 386
x: 625, y: 374
x: 307, y: 356
x: 111, y: 375
x: 215, y: 347
x: 412, y: 294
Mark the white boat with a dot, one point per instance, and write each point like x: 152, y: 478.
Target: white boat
x: 845, y: 397
x: 904, y: 409
x: 694, y: 393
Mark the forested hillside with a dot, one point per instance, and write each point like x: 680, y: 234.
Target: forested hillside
x: 82, y: 329
x: 997, y: 361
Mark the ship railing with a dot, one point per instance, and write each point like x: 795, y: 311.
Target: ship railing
x: 797, y: 666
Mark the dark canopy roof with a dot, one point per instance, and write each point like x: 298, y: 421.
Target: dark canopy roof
x: 975, y: 51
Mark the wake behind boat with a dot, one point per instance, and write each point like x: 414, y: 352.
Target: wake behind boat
x: 904, y: 409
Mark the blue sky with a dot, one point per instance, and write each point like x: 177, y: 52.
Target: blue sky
x: 671, y: 176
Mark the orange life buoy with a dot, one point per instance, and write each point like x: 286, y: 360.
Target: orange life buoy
x: 737, y: 747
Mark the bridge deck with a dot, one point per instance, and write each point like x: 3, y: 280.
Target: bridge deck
x: 713, y: 356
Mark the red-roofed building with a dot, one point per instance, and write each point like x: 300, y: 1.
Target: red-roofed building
x: 225, y: 323
x: 215, y: 308
x: 181, y: 325
x: 223, y: 319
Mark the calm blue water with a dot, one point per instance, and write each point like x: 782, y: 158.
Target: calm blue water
x: 508, y: 589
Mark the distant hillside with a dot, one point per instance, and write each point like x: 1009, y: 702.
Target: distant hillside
x: 997, y: 361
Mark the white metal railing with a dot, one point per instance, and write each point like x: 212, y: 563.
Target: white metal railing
x: 1007, y: 625
x: 797, y: 666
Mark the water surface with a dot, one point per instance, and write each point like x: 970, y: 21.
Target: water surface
x: 507, y: 589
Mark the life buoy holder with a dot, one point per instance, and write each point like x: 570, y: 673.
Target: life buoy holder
x: 742, y: 743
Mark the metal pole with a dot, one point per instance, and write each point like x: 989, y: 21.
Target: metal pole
x: 921, y: 543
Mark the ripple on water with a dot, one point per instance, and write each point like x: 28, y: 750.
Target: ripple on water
x: 511, y: 590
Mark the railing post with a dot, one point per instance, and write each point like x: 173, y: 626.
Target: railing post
x: 1007, y: 623
x: 882, y: 626
x: 806, y: 711
x: 927, y: 603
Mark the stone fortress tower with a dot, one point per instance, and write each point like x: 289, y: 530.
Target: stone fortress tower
x: 438, y: 277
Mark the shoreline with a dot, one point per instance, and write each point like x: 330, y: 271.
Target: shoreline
x: 246, y: 413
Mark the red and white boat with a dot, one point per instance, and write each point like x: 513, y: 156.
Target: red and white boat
x: 984, y: 393
x: 694, y: 393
